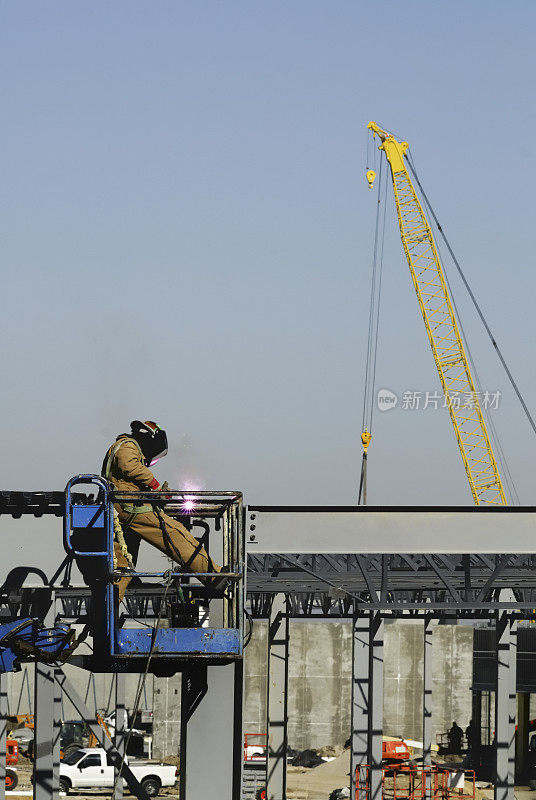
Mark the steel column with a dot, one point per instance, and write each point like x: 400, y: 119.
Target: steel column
x: 367, y: 702
x: 211, y: 739
x: 360, y: 697
x: 43, y: 768
x: 427, y: 681
x: 505, y: 707
x: 477, y: 723
x: 3, y: 733
x: 276, y: 700
x: 522, y: 734
x: 194, y: 687
x: 56, y: 735
x: 120, y: 728
x: 376, y: 706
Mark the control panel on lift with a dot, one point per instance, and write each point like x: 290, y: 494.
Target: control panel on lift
x: 184, y: 619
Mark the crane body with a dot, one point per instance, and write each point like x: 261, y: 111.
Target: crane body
x: 461, y: 397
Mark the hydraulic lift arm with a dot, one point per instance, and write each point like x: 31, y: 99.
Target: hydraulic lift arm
x: 442, y: 329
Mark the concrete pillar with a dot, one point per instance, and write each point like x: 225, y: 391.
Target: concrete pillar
x: 43, y: 732
x: 522, y: 734
x: 505, y: 707
x: 276, y: 701
x: 166, y: 716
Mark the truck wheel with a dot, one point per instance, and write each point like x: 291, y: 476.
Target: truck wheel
x: 64, y: 785
x: 532, y: 785
x: 151, y: 786
x: 12, y: 779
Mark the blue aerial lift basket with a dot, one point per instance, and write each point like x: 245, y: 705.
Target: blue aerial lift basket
x: 89, y: 537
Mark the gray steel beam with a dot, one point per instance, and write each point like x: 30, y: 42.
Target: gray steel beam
x: 505, y: 707
x: 403, y: 529
x: 43, y: 768
x: 276, y: 700
x: 210, y: 736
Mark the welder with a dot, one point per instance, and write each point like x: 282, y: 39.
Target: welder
x: 126, y: 466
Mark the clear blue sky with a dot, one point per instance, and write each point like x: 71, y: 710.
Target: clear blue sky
x: 187, y: 235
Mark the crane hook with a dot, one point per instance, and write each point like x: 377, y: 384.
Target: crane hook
x: 371, y: 175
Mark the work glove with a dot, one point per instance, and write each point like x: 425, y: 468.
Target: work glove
x: 165, y: 488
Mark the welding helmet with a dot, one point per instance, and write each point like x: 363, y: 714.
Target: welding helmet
x: 151, y: 438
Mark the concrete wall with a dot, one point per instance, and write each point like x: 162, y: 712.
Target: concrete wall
x: 402, y: 681
x: 255, y: 680
x: 453, y: 674
x: 320, y: 690
x: 320, y: 680
x: 452, y: 655
x: 166, y: 716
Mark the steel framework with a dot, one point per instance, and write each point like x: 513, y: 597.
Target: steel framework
x: 363, y: 565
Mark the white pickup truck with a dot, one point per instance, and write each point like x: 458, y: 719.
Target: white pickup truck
x: 92, y: 767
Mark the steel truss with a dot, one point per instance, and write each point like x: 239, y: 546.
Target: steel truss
x: 344, y: 584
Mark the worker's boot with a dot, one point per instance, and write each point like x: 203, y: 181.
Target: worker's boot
x: 217, y: 585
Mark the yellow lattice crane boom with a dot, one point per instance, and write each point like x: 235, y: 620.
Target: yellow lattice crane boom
x: 442, y: 328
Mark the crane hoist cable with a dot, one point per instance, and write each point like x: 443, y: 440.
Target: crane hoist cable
x: 373, y: 326
x: 473, y: 299
x: 442, y: 329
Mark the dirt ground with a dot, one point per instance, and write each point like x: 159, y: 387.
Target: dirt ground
x: 319, y: 782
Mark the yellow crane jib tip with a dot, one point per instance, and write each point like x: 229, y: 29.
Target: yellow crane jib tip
x: 371, y: 175
x: 377, y: 130
x: 365, y: 438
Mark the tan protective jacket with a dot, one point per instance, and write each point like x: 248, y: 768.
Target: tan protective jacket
x: 124, y: 467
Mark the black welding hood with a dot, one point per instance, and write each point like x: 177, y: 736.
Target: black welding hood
x: 151, y: 439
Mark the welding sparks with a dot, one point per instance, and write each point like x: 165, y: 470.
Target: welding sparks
x: 188, y: 504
